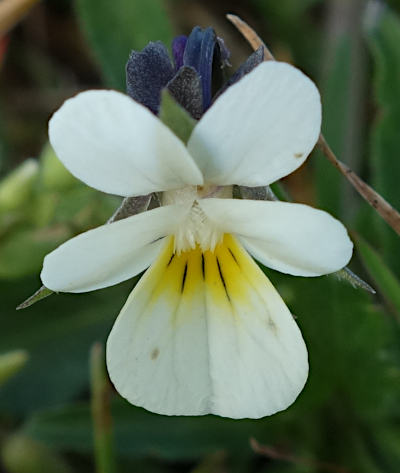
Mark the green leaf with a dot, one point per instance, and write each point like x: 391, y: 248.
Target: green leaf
x: 385, y: 439
x: 83, y: 208
x: 354, y: 375
x: 3, y: 134
x: 176, y: 117
x: 384, y: 40
x: 11, y: 363
x: 335, y: 97
x: 22, y: 250
x: 346, y: 334
x: 383, y: 37
x: 58, y: 334
x: 49, y: 219
x: 395, y: 5
x: 384, y: 278
x: 292, y: 26
x: 114, y: 28
x: 139, y: 433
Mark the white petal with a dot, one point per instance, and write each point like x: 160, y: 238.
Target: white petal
x: 261, y: 129
x: 111, y: 253
x: 207, y: 333
x: 114, y: 144
x: 291, y: 238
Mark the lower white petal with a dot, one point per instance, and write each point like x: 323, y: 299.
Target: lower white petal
x: 206, y: 332
x: 292, y: 238
x: 111, y: 253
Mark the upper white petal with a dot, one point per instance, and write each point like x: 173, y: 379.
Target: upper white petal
x: 111, y: 253
x: 261, y: 129
x: 116, y: 145
x: 207, y: 333
x: 291, y: 238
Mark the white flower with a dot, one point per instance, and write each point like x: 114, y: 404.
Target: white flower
x: 204, y: 331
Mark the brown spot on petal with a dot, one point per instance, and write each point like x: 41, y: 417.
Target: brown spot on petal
x: 298, y: 155
x: 155, y: 353
x: 272, y: 325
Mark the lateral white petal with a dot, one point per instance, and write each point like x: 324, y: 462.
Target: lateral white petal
x: 207, y: 333
x: 116, y: 145
x: 261, y: 129
x: 291, y: 238
x: 111, y: 253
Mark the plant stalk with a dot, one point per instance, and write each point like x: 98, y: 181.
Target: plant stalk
x: 101, y: 414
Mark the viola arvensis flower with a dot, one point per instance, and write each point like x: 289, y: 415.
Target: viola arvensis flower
x: 204, y: 331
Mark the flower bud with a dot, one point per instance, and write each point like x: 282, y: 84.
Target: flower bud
x: 54, y: 175
x: 16, y: 188
x: 20, y: 454
x: 11, y: 363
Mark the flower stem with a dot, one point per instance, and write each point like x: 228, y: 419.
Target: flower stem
x: 101, y: 415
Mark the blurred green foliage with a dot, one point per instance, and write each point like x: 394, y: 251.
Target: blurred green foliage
x: 11, y: 363
x: 113, y: 29
x: 348, y: 416
x: 384, y: 278
x: 42, y: 205
x: 329, y: 184
x: 23, y: 455
x: 384, y: 38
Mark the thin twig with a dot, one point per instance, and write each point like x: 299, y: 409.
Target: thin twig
x: 385, y: 210
x: 250, y: 35
x: 274, y: 454
x: 12, y: 11
x: 382, y: 206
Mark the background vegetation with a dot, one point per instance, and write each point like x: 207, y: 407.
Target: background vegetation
x: 347, y: 420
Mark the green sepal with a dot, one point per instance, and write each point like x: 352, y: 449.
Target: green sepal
x: 176, y: 117
x: 36, y: 297
x: 347, y: 275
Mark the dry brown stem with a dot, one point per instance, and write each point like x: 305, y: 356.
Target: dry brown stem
x: 274, y: 454
x: 12, y: 11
